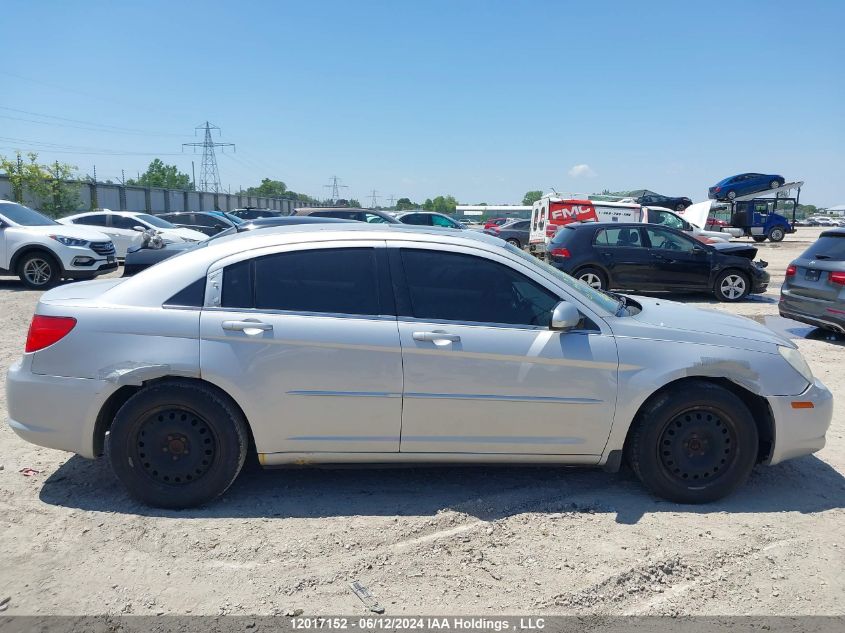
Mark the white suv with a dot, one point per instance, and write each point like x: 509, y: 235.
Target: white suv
x: 41, y: 251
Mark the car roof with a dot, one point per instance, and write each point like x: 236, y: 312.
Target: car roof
x: 154, y: 285
x: 833, y: 233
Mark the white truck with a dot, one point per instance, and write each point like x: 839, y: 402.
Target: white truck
x: 41, y: 251
x: 551, y: 212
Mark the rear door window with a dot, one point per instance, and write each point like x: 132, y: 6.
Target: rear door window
x: 419, y: 219
x: 336, y: 281
x: 621, y: 237
x: 93, y: 220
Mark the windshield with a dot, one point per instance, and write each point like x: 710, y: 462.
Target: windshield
x: 154, y: 221
x: 24, y: 216
x: 606, y: 301
x: 233, y: 218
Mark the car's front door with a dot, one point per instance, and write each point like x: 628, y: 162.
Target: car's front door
x: 122, y: 231
x: 678, y: 261
x: 483, y: 372
x: 305, y: 340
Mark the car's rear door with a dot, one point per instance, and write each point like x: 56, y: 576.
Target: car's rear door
x: 305, y: 339
x: 621, y: 252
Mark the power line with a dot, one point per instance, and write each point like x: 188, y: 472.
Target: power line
x: 209, y: 175
x: 105, y: 127
x: 336, y: 187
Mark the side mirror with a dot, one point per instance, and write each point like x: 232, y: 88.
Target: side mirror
x: 138, y: 228
x: 565, y: 316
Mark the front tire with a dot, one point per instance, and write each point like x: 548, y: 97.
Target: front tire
x: 694, y: 444
x: 177, y: 444
x: 39, y: 270
x: 732, y: 285
x: 775, y: 184
x: 514, y: 241
x: 731, y: 195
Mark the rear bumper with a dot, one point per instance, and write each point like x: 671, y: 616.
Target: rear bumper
x: 54, y: 411
x: 800, y: 431
x: 817, y: 312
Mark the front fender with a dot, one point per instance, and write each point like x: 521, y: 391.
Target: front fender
x: 648, y: 365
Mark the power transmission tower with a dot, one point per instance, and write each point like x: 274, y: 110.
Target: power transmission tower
x: 335, y: 186
x: 209, y: 176
x: 392, y: 199
x: 374, y: 199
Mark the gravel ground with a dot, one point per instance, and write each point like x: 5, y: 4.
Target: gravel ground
x: 429, y: 541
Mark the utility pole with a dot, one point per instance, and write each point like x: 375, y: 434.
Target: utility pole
x: 209, y: 175
x: 193, y: 176
x: 335, y: 187
x: 392, y: 200
x: 374, y: 199
x: 18, y: 181
x: 95, y: 199
x: 123, y: 177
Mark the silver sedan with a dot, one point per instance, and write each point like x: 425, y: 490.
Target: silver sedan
x: 325, y: 344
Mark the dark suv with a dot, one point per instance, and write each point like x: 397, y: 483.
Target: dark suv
x: 203, y: 221
x: 813, y: 291
x: 655, y: 257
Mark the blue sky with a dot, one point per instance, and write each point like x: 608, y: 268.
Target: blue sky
x: 481, y: 100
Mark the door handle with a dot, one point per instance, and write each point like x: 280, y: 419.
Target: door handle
x: 436, y: 337
x: 246, y: 326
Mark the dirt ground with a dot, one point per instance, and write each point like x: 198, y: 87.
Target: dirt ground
x: 430, y: 541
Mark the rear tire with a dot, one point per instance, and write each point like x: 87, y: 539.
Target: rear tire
x: 680, y: 208
x: 731, y: 195
x: 514, y: 241
x: 693, y: 444
x: 775, y: 184
x: 593, y: 277
x: 777, y: 234
x: 177, y: 444
x: 38, y: 270
x: 732, y: 285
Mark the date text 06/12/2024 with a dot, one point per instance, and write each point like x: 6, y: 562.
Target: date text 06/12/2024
x: 419, y: 623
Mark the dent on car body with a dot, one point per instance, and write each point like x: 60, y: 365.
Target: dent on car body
x: 136, y: 374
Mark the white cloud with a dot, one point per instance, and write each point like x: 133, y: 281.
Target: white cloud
x: 582, y: 171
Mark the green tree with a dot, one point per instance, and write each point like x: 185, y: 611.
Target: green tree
x: 269, y: 189
x: 355, y: 204
x: 405, y: 204
x: 441, y: 204
x: 160, y: 175
x: 531, y: 197
x: 50, y: 185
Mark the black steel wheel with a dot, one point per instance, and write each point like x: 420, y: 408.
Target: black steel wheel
x: 694, y: 443
x: 697, y: 445
x: 177, y: 444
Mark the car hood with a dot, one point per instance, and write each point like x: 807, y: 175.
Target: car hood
x: 670, y: 320
x: 737, y: 249
x: 79, y: 232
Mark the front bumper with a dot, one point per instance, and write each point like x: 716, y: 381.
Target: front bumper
x: 800, y: 431
x: 54, y: 411
x: 102, y: 269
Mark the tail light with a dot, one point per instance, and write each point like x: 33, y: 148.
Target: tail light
x: 790, y: 270
x: 46, y: 330
x: 560, y: 252
x: 837, y: 277
x: 717, y: 189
